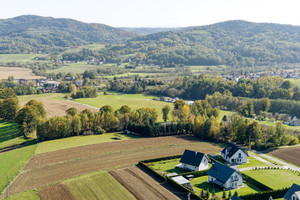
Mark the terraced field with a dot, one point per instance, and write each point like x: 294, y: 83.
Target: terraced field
x: 54, y: 166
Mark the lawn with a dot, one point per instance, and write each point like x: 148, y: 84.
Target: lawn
x: 28, y: 195
x: 12, y: 162
x: 200, y: 183
x: 98, y: 186
x: 167, y: 166
x: 253, y: 162
x: 10, y: 134
x: 48, y: 96
x: 227, y: 113
x: 134, y: 101
x: 4, y: 58
x: 275, y: 179
x: 65, y: 143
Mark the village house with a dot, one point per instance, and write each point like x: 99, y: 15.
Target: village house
x: 223, y: 176
x: 294, y: 122
x: 193, y: 161
x: 293, y: 193
x: 234, y: 155
x: 235, y: 198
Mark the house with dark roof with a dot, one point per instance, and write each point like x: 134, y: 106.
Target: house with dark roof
x: 293, y: 193
x: 193, y: 161
x: 234, y: 155
x: 235, y: 198
x: 223, y: 176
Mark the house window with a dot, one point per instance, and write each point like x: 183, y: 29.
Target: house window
x: 240, y: 155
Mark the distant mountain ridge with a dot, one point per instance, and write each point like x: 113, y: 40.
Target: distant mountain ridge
x: 149, y: 30
x: 30, y: 33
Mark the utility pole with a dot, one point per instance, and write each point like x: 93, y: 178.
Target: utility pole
x: 249, y: 144
x: 189, y: 196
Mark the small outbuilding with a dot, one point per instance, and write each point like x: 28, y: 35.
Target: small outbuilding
x: 193, y: 161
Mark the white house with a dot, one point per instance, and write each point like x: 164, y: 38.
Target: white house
x: 293, y: 193
x: 223, y: 176
x: 193, y: 161
x: 234, y: 155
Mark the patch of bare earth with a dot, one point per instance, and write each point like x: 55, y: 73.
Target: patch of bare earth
x: 56, y: 192
x: 17, y: 73
x: 141, y: 185
x: 58, y: 108
x: 290, y: 154
x: 59, y: 165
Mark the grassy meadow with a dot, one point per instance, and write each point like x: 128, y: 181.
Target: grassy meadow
x: 10, y: 134
x: 70, y: 142
x: 5, y: 58
x: 13, y: 161
x: 134, y: 101
x: 98, y: 186
x: 28, y: 195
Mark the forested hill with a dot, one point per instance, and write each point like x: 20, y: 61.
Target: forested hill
x: 31, y: 33
x: 148, y: 30
x: 234, y: 43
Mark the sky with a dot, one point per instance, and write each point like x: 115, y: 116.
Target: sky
x: 157, y: 13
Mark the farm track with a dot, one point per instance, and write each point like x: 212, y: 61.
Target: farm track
x: 50, y: 167
x: 56, y: 192
x: 141, y: 185
x: 289, y: 154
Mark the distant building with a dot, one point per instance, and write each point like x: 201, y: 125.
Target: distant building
x: 294, y: 122
x: 293, y: 193
x: 224, y: 177
x: 234, y: 155
x: 193, y: 161
x: 235, y: 198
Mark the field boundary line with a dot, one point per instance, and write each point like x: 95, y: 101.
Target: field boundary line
x: 82, y: 104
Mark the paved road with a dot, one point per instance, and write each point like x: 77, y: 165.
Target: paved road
x: 285, y: 164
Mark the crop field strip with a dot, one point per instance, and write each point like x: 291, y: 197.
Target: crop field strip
x: 60, y: 165
x: 17, y: 73
x: 56, y: 192
x: 141, y: 185
x: 290, y: 154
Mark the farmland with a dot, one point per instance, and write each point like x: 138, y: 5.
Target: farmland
x: 92, y: 187
x: 13, y: 161
x: 290, y: 154
x: 275, y: 179
x: 50, y: 167
x: 28, y: 195
x: 23, y: 58
x: 54, y: 103
x: 141, y: 185
x: 134, y: 101
x: 57, y: 191
x: 17, y: 73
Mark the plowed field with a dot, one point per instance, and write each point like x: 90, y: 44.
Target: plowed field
x: 290, y: 154
x: 59, y: 165
x: 56, y: 192
x: 141, y: 185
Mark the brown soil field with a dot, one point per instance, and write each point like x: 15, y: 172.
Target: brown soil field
x: 141, y: 185
x: 59, y: 165
x: 18, y: 73
x: 58, y: 108
x: 56, y: 192
x: 290, y: 154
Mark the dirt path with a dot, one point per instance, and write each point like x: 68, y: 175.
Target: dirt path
x: 55, y: 166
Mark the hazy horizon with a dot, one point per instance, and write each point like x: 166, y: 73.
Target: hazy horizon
x: 157, y: 14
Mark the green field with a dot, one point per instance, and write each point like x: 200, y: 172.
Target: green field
x: 167, y: 166
x: 134, y: 101
x: 275, y: 179
x: 200, y: 183
x: 10, y: 134
x: 28, y: 195
x: 100, y: 186
x: 4, y: 58
x: 202, y: 68
x: 13, y: 161
x: 75, y: 68
x: 65, y: 143
x: 133, y: 74
x: 48, y: 96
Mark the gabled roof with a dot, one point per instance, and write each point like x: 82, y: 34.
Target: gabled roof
x: 192, y: 157
x: 232, y: 149
x: 220, y: 172
x: 295, y: 188
x: 235, y: 198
